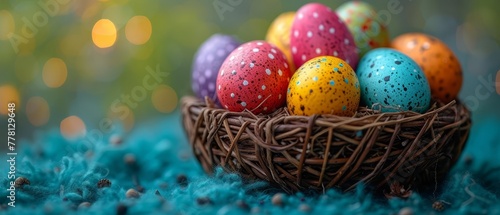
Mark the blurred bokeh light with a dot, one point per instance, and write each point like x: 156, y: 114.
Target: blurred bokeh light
x: 8, y: 94
x: 104, y: 33
x: 72, y: 127
x: 138, y: 30
x: 54, y: 72
x: 164, y: 99
x: 37, y: 111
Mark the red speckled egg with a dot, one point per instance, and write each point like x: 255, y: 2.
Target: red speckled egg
x: 254, y: 77
x: 318, y: 31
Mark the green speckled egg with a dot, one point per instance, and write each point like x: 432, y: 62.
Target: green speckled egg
x: 367, y: 28
x: 323, y: 85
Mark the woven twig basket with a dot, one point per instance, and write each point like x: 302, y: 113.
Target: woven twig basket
x: 382, y: 150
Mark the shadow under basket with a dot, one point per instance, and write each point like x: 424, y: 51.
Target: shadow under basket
x: 382, y: 150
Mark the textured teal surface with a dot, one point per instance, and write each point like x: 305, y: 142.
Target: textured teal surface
x: 63, y: 175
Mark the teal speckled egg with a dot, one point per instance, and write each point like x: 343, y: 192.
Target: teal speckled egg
x: 368, y: 30
x: 392, y: 82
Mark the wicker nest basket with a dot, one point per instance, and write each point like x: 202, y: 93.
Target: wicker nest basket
x: 400, y: 151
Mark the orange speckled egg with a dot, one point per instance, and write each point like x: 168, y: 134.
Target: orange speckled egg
x: 323, y: 85
x: 439, y: 63
x: 279, y: 35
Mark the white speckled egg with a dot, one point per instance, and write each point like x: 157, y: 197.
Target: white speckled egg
x: 392, y: 82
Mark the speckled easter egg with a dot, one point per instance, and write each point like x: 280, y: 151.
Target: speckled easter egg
x: 440, y: 65
x: 392, y: 82
x: 278, y: 34
x: 323, y: 85
x: 207, y: 62
x: 255, y: 77
x: 365, y: 26
x: 318, y: 31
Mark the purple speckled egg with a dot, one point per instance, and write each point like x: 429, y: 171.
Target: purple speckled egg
x: 207, y: 62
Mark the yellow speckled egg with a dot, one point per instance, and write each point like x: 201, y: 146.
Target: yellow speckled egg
x: 440, y: 65
x: 323, y: 85
x: 279, y: 35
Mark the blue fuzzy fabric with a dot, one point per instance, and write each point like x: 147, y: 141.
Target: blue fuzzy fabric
x: 63, y: 174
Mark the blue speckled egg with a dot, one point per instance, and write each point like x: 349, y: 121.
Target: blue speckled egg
x: 207, y: 62
x: 392, y: 82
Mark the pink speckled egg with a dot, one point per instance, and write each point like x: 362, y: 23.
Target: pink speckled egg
x: 254, y: 77
x: 318, y: 31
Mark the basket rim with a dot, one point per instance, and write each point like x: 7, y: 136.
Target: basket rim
x: 363, y: 113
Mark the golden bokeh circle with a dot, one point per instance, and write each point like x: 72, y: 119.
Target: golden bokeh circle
x: 8, y: 93
x: 164, y: 99
x: 37, y: 111
x: 138, y: 30
x: 54, y: 72
x: 104, y: 33
x: 72, y: 127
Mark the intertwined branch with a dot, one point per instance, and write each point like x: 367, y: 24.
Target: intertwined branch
x: 323, y: 151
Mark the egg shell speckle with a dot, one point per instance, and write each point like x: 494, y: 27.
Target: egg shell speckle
x: 368, y: 30
x: 278, y: 34
x: 392, y: 82
x: 318, y: 31
x: 254, y: 77
x: 324, y: 85
x: 439, y: 63
x: 207, y: 62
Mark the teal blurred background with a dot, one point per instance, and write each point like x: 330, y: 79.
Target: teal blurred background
x: 62, y: 65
